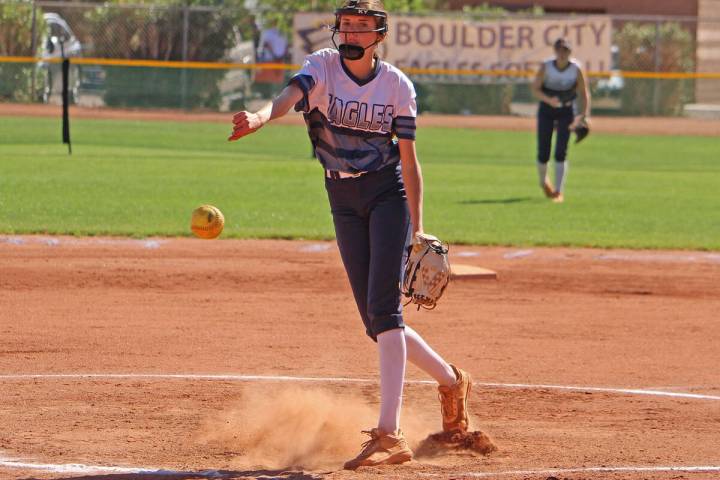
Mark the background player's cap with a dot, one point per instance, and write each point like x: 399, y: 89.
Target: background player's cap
x: 562, y: 43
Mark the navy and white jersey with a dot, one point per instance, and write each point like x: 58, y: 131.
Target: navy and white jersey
x: 561, y: 83
x: 353, y: 123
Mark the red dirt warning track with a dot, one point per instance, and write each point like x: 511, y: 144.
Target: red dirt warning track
x: 619, y: 125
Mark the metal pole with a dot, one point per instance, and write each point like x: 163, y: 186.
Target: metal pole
x: 186, y: 28
x: 33, y: 50
x: 65, y: 97
x: 656, y: 89
x: 183, y: 74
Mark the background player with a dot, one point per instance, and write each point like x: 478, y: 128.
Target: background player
x: 360, y: 113
x: 558, y: 84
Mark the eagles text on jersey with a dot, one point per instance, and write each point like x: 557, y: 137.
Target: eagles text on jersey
x: 354, y: 123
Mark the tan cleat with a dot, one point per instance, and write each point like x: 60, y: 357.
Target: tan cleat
x: 558, y: 198
x: 381, y: 449
x: 453, y: 402
x: 548, y: 189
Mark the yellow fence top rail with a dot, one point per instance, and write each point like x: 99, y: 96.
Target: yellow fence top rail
x: 121, y: 62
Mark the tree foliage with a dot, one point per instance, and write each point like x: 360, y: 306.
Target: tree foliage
x: 281, y: 11
x: 156, y: 32
x: 16, y: 40
x: 16, y: 31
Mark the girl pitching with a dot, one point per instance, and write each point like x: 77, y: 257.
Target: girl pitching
x: 360, y: 113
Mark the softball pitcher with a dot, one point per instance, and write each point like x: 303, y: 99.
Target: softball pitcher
x: 360, y: 113
x: 558, y: 85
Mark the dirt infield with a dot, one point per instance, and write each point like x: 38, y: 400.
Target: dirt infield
x: 622, y: 125
x: 247, y: 359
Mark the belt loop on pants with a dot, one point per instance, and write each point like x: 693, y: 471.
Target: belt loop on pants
x: 336, y: 174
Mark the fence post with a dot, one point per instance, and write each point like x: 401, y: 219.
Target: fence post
x: 656, y: 89
x: 186, y: 28
x: 185, y: 35
x: 33, y: 49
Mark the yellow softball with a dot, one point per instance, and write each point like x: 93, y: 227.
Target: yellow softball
x: 207, y: 222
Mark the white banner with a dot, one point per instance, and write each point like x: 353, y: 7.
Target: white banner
x: 454, y: 44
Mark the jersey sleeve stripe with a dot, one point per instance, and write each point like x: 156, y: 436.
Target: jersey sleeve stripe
x: 405, y: 120
x: 306, y: 84
x: 404, y: 127
x: 406, y: 135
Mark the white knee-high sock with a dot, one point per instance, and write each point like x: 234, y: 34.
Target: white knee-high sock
x: 422, y: 356
x: 542, y: 172
x: 393, y: 354
x: 561, y: 169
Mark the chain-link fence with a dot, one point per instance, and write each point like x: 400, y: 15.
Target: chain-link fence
x: 652, y: 69
x: 650, y: 44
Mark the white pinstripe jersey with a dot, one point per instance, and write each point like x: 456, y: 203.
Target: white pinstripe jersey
x: 353, y: 123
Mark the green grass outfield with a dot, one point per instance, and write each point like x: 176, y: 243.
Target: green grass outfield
x: 144, y: 178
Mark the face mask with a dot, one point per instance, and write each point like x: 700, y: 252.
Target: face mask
x: 351, y: 52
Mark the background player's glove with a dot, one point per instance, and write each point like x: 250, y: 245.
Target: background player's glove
x: 427, y: 271
x: 582, y: 130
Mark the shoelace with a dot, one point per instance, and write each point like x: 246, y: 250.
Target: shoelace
x: 367, y: 444
x: 447, y: 401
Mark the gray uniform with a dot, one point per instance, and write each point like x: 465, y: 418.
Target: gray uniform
x: 561, y: 83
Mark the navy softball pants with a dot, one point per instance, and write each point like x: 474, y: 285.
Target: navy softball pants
x: 547, y: 118
x: 372, y: 226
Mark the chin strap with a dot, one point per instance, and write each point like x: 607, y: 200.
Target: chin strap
x: 351, y: 52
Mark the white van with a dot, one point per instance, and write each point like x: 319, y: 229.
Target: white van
x: 59, y: 41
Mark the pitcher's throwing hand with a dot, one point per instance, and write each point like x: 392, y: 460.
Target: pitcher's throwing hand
x: 244, y: 123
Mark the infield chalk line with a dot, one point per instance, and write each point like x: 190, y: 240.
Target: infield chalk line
x: 283, y: 378
x: 561, y: 471
x: 74, y: 468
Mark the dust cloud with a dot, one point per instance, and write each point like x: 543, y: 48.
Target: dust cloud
x: 282, y: 427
